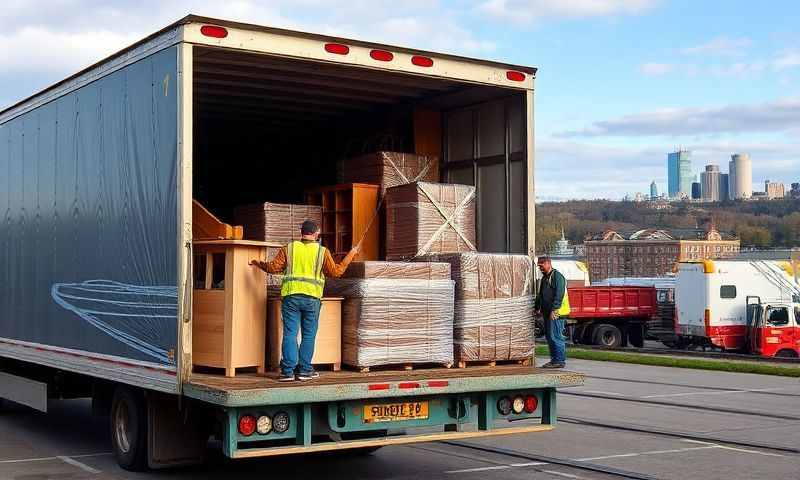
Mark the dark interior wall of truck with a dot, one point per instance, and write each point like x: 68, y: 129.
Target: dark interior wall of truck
x: 88, y: 250
x: 267, y: 128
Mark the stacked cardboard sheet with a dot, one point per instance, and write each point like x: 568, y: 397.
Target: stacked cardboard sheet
x: 389, y: 169
x: 493, y: 306
x: 389, y: 321
x: 402, y: 270
x: 275, y: 222
x: 424, y: 218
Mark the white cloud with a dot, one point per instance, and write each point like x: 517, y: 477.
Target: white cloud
x: 786, y: 60
x: 723, y: 45
x: 528, y: 11
x: 653, y: 69
x: 779, y: 115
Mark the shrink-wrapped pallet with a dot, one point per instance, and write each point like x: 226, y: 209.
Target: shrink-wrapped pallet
x: 395, y: 322
x: 389, y: 169
x: 424, y: 218
x: 493, y: 306
x: 402, y: 270
x: 275, y: 222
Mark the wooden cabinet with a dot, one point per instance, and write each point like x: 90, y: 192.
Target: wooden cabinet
x: 229, y: 305
x: 348, y: 213
x: 328, y: 344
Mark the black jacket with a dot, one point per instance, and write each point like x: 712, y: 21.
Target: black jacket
x: 552, y: 289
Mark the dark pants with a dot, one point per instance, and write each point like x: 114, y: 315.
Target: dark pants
x: 554, y: 332
x: 299, y: 313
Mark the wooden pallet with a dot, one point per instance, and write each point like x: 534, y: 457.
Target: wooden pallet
x: 400, y: 366
x: 493, y: 363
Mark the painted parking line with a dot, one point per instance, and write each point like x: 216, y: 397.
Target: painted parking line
x: 59, y: 457
x: 603, y: 392
x: 75, y: 463
x: 701, y: 446
x: 719, y: 392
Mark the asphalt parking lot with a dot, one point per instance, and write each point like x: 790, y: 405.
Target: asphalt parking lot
x: 710, y: 425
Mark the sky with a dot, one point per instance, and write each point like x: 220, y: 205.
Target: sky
x: 621, y: 82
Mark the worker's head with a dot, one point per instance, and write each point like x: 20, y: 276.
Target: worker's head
x: 309, y: 230
x: 544, y: 264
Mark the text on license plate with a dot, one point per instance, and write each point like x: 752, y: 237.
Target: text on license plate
x: 391, y: 412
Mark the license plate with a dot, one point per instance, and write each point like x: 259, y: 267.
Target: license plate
x: 393, y: 412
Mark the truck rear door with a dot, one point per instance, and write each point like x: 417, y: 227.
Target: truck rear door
x: 486, y: 145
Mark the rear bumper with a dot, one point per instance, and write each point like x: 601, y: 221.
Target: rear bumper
x: 386, y: 441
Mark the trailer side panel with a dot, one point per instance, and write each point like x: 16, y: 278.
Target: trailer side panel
x: 89, y: 222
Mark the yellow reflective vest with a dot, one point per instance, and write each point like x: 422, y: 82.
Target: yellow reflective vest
x: 304, y: 269
x: 564, y: 309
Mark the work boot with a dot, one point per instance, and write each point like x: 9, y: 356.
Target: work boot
x: 554, y: 365
x: 305, y: 376
x: 286, y: 378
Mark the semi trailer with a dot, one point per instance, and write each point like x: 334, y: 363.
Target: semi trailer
x: 99, y: 174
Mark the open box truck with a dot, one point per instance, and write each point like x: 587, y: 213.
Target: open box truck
x: 99, y: 173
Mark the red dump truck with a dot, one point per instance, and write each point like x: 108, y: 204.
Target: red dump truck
x: 611, y: 316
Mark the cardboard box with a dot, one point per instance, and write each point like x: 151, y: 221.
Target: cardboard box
x: 395, y: 321
x: 389, y: 169
x: 425, y: 218
x: 275, y: 222
x: 493, y: 306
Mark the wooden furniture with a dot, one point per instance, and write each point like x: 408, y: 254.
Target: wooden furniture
x: 328, y: 344
x: 206, y: 226
x: 229, y: 305
x: 348, y: 213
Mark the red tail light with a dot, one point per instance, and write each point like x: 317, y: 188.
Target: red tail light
x: 515, y: 76
x: 381, y: 55
x: 247, y: 425
x: 337, y: 48
x: 213, y: 31
x: 531, y: 403
x: 421, y: 61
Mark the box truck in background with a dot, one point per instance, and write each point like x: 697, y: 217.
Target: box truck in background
x: 100, y: 171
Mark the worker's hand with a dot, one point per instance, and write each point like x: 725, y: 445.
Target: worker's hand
x: 553, y: 316
x: 356, y: 249
x: 255, y: 263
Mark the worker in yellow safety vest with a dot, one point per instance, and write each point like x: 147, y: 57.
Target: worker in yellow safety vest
x: 552, y: 303
x: 304, y: 264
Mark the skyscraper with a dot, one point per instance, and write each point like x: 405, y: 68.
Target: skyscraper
x: 679, y: 173
x: 653, y: 190
x: 724, y: 189
x: 709, y: 183
x: 740, y: 171
x: 696, y: 193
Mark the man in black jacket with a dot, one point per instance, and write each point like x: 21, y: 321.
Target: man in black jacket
x: 552, y: 290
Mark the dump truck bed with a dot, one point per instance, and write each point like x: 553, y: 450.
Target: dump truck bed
x: 252, y: 389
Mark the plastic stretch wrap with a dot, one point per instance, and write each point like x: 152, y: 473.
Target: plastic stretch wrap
x: 389, y: 169
x: 424, y: 218
x: 404, y: 270
x: 275, y: 222
x: 392, y: 321
x: 493, y: 305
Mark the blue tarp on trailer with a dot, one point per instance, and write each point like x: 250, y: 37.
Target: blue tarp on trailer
x: 88, y: 201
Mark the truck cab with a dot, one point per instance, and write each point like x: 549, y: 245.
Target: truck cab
x: 773, y: 328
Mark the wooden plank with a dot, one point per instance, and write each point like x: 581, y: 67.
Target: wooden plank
x: 386, y: 441
x: 428, y: 132
x: 206, y: 226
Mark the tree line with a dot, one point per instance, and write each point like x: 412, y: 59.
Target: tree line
x: 761, y: 224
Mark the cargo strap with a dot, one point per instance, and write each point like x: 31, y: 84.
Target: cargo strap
x: 449, y: 220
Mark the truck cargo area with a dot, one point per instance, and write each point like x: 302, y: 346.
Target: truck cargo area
x: 267, y: 128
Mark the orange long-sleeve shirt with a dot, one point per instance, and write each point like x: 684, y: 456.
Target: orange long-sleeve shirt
x: 329, y: 266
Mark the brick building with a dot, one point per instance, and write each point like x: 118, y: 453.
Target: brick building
x: 653, y: 252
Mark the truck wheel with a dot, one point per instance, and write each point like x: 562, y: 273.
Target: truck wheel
x: 786, y: 354
x: 636, y: 336
x: 129, y: 429
x: 607, y: 336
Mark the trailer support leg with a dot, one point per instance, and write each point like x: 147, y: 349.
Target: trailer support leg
x: 485, y: 413
x: 304, y: 425
x: 549, y: 406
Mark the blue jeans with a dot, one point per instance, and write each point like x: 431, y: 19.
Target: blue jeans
x: 299, y: 312
x: 554, y: 332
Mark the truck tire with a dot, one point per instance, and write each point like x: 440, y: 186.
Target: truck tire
x: 607, y: 336
x: 786, y: 353
x: 128, y: 422
x: 636, y: 336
